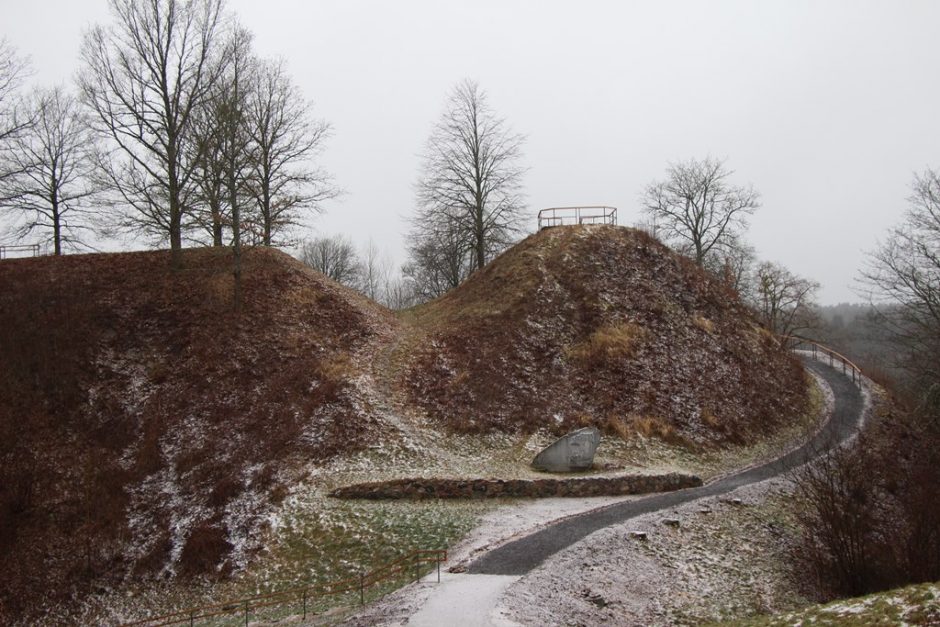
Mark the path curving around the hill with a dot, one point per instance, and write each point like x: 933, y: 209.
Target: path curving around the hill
x: 518, y: 557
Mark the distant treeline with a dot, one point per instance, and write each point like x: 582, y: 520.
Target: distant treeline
x: 860, y: 332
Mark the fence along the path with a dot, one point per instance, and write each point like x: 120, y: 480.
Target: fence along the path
x: 303, y: 596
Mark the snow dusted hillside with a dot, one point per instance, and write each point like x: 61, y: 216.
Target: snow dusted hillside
x: 148, y: 433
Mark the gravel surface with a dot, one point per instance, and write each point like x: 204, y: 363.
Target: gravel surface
x: 714, y: 559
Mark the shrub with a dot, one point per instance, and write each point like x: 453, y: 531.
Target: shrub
x: 204, y: 549
x: 868, y: 514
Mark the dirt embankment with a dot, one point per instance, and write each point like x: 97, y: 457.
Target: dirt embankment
x: 601, y: 325
x: 146, y: 429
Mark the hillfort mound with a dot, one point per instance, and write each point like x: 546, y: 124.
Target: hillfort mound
x: 601, y: 325
x: 147, y: 430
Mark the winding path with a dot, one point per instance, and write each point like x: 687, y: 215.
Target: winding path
x: 521, y: 556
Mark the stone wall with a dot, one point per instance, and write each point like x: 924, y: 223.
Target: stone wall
x: 495, y: 488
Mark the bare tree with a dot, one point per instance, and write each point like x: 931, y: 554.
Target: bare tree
x: 52, y: 161
x: 784, y: 301
x: 143, y: 78
x: 471, y: 179
x: 284, y: 141
x: 438, y: 262
x: 375, y: 271
x: 13, y: 69
x: 733, y: 263
x: 231, y: 103
x: 903, y: 278
x: 398, y: 293
x: 210, y: 209
x: 697, y: 208
x: 335, y: 257
x: 14, y: 119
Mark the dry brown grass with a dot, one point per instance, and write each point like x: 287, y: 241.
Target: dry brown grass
x: 613, y: 341
x: 618, y: 426
x: 710, y: 419
x: 704, y: 324
x: 654, y: 427
x: 337, y: 367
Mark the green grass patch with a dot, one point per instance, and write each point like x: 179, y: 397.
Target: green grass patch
x: 912, y: 605
x: 318, y: 541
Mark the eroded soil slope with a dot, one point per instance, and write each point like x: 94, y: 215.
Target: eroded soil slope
x: 600, y: 325
x: 145, y: 429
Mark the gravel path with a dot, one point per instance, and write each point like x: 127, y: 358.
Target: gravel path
x: 464, y: 600
x: 523, y: 555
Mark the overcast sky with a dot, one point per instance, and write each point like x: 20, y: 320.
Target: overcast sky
x: 827, y: 108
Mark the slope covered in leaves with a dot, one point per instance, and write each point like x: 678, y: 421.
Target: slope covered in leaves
x: 601, y: 325
x: 145, y: 428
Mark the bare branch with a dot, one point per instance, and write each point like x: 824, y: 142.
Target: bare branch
x: 697, y: 208
x: 51, y: 185
x: 471, y: 184
x: 144, y: 77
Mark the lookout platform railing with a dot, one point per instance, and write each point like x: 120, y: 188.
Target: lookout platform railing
x: 19, y: 250
x: 567, y: 216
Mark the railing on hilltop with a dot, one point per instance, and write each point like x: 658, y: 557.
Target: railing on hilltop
x: 848, y: 367
x: 6, y: 249
x: 561, y: 216
x: 303, y: 596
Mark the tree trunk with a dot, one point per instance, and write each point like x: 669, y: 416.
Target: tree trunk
x: 236, y: 240
x: 216, y: 224
x: 266, y: 216
x: 56, y: 225
x: 176, y: 217
x: 480, y: 238
x: 176, y: 238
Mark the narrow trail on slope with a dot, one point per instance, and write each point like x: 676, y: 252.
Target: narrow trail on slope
x: 523, y: 555
x: 384, y: 392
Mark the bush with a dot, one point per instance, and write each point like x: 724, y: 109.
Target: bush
x: 868, y: 514
x: 205, y: 548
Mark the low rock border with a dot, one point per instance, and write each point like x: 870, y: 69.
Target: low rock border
x: 420, y: 489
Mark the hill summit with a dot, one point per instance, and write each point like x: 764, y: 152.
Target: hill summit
x: 601, y: 325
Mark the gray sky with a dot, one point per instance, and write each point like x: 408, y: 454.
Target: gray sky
x: 827, y: 108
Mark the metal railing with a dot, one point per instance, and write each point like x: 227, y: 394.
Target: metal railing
x: 848, y: 367
x: 562, y: 216
x: 6, y: 249
x: 304, y: 596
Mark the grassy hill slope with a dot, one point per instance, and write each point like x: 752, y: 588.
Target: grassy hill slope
x: 601, y: 325
x: 145, y: 429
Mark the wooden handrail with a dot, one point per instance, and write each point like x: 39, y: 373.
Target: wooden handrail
x: 380, y: 574
x: 847, y: 364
